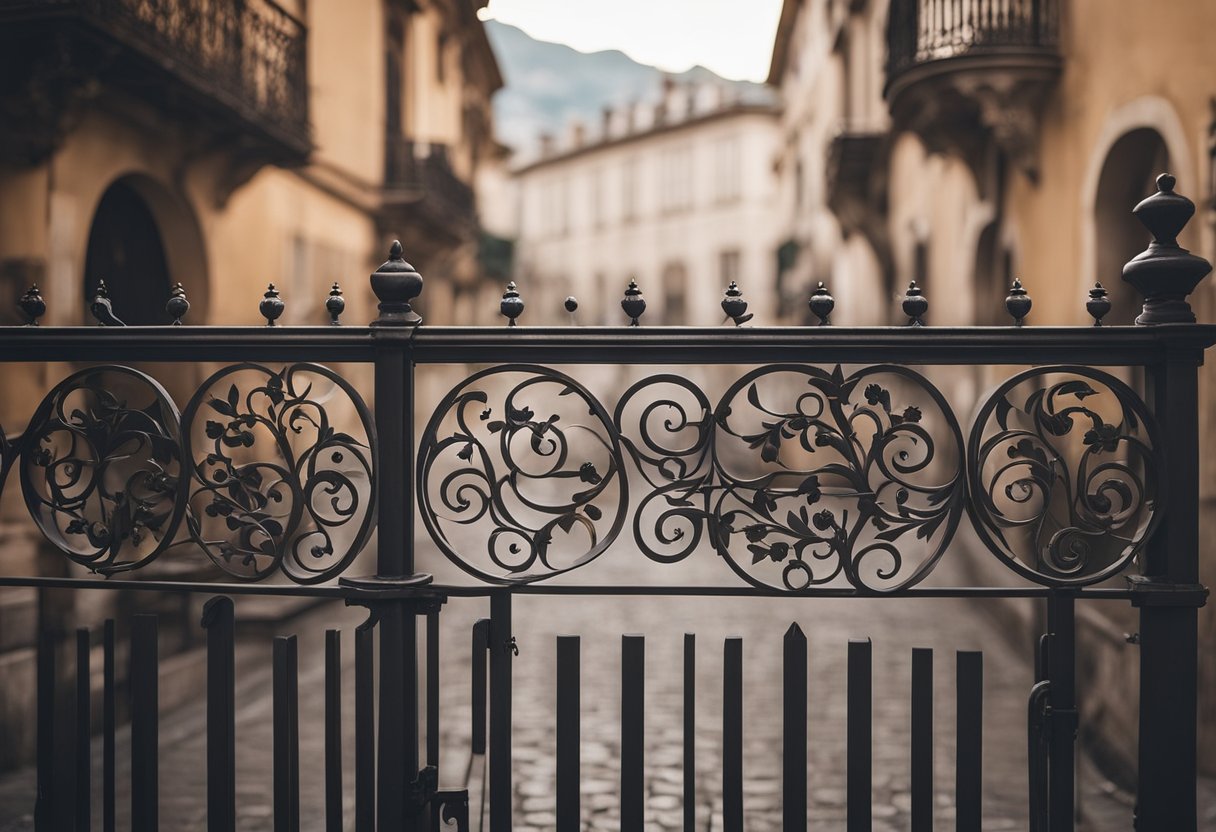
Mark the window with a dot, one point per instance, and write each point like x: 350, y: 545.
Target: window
x: 675, y: 288
x: 597, y: 197
x: 728, y: 174
x: 728, y: 266
x: 675, y: 179
x: 629, y: 189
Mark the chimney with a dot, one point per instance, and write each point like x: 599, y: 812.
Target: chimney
x: 546, y: 144
x: 631, y: 116
x: 605, y: 123
x: 578, y: 134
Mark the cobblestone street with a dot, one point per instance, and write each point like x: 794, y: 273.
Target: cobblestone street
x: 896, y: 626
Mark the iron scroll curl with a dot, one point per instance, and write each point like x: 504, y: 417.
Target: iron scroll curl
x: 1066, y: 483
x: 102, y: 468
x: 498, y: 448
x: 274, y: 484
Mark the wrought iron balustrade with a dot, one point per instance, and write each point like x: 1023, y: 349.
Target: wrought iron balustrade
x: 247, y: 57
x: 920, y: 31
x: 421, y: 173
x: 825, y: 463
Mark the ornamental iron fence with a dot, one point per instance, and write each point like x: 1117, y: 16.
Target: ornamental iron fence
x: 828, y: 468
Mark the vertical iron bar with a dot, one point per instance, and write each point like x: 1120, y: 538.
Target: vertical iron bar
x: 502, y: 644
x: 108, y: 704
x: 219, y: 620
x: 333, y: 731
x: 690, y: 732
x: 145, y: 699
x: 394, y: 771
x: 732, y: 735
x: 969, y: 746
x: 84, y: 732
x: 398, y: 729
x: 633, y: 763
x: 481, y: 645
x: 45, y: 801
x: 860, y: 736
x: 922, y: 740
x: 365, y: 726
x: 1061, y: 667
x: 794, y: 704
x: 286, y: 737
x: 568, y: 739
x: 1168, y: 634
x: 432, y: 688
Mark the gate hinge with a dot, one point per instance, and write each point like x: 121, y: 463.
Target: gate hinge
x: 1147, y: 592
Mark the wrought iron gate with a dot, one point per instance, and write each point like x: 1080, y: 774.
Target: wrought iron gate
x: 828, y: 468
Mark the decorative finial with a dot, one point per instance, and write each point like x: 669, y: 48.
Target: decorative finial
x: 272, y: 305
x: 1165, y: 273
x: 102, y: 309
x: 915, y: 305
x: 178, y: 305
x: 1098, y: 305
x: 822, y: 304
x: 512, y: 305
x: 735, y: 306
x: 633, y: 303
x: 571, y: 305
x: 335, y: 304
x: 1018, y: 302
x: 396, y: 283
x: 32, y: 305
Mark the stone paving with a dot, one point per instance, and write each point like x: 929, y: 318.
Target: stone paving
x: 896, y: 626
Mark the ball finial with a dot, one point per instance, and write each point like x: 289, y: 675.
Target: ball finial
x: 272, y: 305
x: 1018, y: 302
x: 822, y: 303
x: 633, y: 303
x: 512, y: 305
x: 395, y: 284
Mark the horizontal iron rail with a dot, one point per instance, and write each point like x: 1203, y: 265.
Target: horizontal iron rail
x: 467, y: 591
x: 1104, y: 346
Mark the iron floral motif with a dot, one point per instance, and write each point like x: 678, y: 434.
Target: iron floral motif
x: 274, y: 482
x: 812, y: 489
x: 101, y: 468
x: 1064, y: 474
x: 511, y: 453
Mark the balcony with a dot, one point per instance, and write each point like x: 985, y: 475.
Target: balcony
x: 232, y: 68
x: 420, y: 184
x: 953, y: 65
x: 857, y: 187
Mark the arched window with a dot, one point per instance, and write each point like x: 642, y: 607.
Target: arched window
x: 1127, y: 177
x: 675, y: 289
x: 127, y: 252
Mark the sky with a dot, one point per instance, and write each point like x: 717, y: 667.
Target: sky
x: 734, y: 38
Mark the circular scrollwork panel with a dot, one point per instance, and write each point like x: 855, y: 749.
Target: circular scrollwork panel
x: 101, y: 468
x: 800, y: 476
x: 282, y: 471
x: 1064, y: 474
x: 519, y: 475
x: 826, y: 475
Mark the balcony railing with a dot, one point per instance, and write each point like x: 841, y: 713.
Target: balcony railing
x: 421, y: 173
x: 920, y: 31
x: 248, y: 56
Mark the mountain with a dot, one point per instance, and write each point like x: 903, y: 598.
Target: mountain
x: 549, y: 85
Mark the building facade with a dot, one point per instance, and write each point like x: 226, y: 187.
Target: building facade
x: 224, y: 146
x: 678, y: 196
x: 962, y: 144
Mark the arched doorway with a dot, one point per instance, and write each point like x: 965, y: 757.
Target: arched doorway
x: 1128, y: 173
x: 126, y: 251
